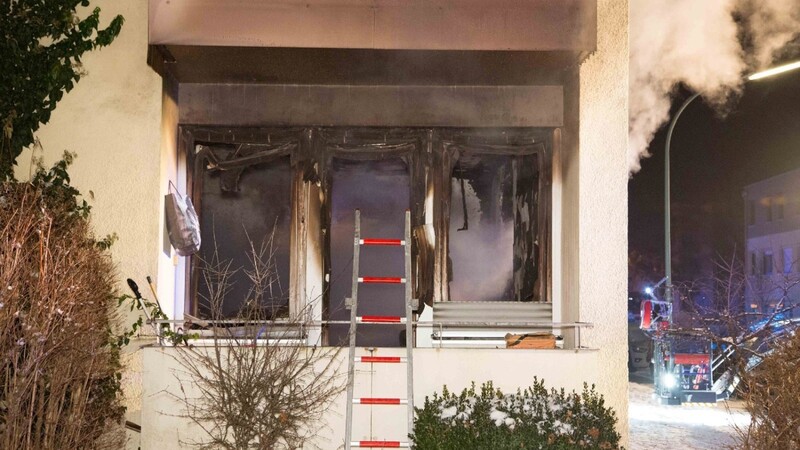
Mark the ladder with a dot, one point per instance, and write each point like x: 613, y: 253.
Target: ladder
x: 355, y: 319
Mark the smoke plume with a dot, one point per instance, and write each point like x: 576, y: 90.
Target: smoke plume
x: 708, y: 46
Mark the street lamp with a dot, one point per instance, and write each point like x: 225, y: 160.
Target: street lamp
x: 774, y: 71
x: 668, y: 289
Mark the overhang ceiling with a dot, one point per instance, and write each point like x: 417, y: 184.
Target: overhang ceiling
x: 424, y: 42
x: 521, y: 25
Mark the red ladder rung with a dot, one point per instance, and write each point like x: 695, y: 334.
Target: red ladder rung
x: 388, y: 280
x: 380, y: 444
x: 381, y: 319
x: 380, y: 359
x: 378, y: 241
x: 379, y: 401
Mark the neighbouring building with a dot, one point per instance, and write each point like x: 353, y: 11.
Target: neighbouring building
x: 772, y: 230
x: 502, y: 126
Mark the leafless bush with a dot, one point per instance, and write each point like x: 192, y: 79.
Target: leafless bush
x: 255, y: 386
x: 773, y: 400
x: 59, y: 373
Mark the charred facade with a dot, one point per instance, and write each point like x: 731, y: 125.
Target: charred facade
x: 479, y: 202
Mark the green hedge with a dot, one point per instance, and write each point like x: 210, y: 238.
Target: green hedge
x: 534, y: 418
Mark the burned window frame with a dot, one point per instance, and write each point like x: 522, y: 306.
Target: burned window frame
x: 519, y: 142
x: 207, y: 158
x: 429, y: 153
x: 363, y: 144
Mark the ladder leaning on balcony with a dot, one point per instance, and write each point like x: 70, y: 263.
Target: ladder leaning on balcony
x: 355, y: 319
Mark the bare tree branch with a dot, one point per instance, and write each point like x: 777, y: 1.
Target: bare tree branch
x: 752, y: 316
x: 256, y: 386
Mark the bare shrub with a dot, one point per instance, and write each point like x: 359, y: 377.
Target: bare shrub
x: 59, y: 375
x: 255, y: 385
x: 773, y: 400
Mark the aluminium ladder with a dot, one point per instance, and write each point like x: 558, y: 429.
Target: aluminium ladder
x: 352, y: 304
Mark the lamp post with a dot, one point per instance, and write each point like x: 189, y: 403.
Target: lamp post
x: 668, y: 288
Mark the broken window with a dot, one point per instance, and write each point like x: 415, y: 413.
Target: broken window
x: 493, y: 233
x: 244, y: 210
x: 381, y: 190
x: 479, y: 204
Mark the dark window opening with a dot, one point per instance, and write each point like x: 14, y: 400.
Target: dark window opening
x: 767, y: 263
x: 493, y: 239
x: 768, y: 204
x: 243, y: 210
x: 381, y: 190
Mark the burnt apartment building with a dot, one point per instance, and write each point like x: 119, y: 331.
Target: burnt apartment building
x: 501, y: 126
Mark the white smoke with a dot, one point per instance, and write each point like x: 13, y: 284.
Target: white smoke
x: 697, y: 43
x: 772, y: 24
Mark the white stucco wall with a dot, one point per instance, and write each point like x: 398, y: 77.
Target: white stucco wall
x: 594, y: 210
x: 112, y: 120
x: 433, y: 368
x: 603, y: 213
x: 603, y: 216
x: 171, y: 267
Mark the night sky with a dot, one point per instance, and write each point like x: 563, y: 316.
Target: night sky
x: 713, y: 158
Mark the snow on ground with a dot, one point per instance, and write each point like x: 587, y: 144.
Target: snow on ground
x: 697, y: 426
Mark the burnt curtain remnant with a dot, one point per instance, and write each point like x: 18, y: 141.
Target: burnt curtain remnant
x: 246, y: 208
x: 494, y: 200
x: 492, y: 220
x: 479, y: 202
